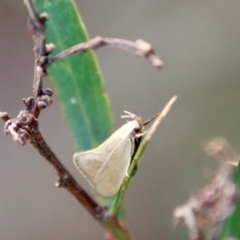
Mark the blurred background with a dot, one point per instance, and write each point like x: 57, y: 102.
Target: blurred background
x: 198, y: 41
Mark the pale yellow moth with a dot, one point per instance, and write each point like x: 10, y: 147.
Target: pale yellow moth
x: 106, y: 166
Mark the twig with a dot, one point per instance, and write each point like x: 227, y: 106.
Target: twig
x: 143, y: 144
x: 139, y: 48
x: 25, y: 125
x: 65, y: 178
x: 37, y: 29
x: 67, y: 181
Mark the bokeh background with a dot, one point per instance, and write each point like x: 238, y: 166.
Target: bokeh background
x: 198, y: 41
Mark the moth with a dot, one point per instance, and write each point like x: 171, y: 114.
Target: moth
x: 106, y: 166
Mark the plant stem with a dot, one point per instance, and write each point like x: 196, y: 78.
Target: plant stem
x: 136, y: 158
x: 139, y: 48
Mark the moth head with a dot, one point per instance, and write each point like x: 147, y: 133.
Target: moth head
x: 140, y: 127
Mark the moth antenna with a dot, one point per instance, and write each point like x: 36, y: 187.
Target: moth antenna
x: 129, y: 115
x: 164, y: 112
x: 151, y: 119
x: 135, y: 117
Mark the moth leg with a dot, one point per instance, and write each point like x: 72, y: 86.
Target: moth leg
x: 141, y: 134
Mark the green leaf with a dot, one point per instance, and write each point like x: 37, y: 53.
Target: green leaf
x: 231, y: 226
x: 77, y: 79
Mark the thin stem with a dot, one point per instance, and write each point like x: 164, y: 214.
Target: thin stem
x: 139, y: 48
x: 37, y: 29
x: 25, y: 125
x: 67, y: 181
x: 136, y: 158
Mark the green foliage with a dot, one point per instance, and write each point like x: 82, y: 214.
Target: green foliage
x: 231, y: 227
x: 77, y: 79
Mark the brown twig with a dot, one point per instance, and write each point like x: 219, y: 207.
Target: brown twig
x: 25, y: 127
x: 40, y: 99
x: 139, y: 48
x: 65, y: 178
x: 37, y: 29
x: 67, y: 181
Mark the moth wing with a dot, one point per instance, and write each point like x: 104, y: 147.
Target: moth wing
x: 105, y: 166
x: 109, y: 180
